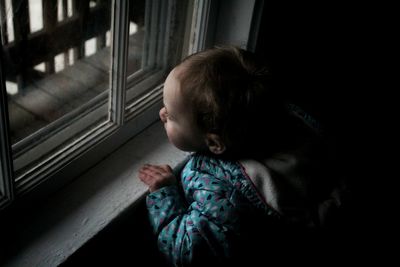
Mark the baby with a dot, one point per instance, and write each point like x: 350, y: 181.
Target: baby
x: 256, y: 165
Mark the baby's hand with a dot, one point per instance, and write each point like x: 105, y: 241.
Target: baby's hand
x: 157, y: 176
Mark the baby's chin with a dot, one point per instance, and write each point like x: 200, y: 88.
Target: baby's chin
x: 179, y: 145
x: 186, y: 148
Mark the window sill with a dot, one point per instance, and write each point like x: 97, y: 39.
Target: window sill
x: 86, y: 206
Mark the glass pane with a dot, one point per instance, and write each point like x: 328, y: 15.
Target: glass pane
x: 57, y: 59
x: 136, y: 35
x: 148, y: 26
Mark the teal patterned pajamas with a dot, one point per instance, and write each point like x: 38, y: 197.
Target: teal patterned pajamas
x: 206, y: 218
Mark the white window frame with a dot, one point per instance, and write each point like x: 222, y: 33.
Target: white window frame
x: 126, y: 118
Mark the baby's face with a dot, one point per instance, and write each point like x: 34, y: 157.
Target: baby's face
x: 177, y: 117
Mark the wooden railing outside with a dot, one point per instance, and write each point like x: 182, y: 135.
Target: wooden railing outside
x: 28, y: 49
x: 42, y: 89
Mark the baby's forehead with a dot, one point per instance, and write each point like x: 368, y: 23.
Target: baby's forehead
x: 179, y: 70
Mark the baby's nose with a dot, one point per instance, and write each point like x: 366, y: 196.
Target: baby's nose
x: 162, y: 115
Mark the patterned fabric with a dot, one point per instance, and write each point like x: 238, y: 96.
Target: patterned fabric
x: 208, y: 218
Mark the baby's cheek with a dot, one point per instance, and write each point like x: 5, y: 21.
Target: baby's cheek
x: 171, y: 133
x: 169, y: 129
x: 177, y: 138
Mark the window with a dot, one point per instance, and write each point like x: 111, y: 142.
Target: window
x: 78, y: 78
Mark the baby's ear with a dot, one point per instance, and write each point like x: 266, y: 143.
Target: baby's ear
x: 215, y: 143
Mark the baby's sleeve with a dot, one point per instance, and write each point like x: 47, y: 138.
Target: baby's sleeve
x: 206, y: 228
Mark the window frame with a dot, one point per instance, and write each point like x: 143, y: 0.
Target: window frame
x: 6, y: 163
x: 126, y: 119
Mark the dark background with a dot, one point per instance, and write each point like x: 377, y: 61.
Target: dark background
x: 326, y: 56
x: 322, y: 54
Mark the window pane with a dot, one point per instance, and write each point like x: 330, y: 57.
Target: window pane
x: 137, y: 31
x: 57, y: 71
x: 148, y: 25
